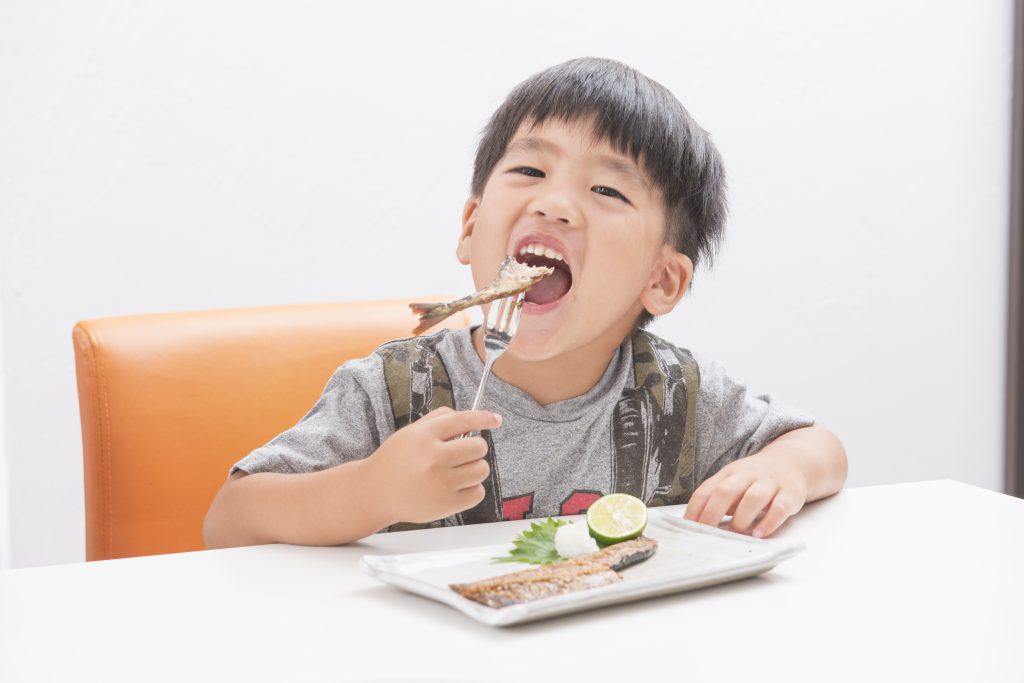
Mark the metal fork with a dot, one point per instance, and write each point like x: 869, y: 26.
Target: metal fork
x: 502, y: 323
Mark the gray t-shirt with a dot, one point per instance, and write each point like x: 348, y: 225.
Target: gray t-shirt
x: 551, y: 460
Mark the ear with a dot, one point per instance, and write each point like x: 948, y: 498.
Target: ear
x: 669, y: 281
x: 462, y: 251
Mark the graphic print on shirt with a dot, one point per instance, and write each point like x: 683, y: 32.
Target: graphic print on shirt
x: 648, y: 426
x: 578, y: 502
x: 517, y: 507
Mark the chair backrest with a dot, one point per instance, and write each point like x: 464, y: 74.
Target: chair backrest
x: 170, y: 401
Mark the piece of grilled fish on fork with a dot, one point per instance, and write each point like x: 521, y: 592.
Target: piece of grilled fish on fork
x: 558, y: 578
x: 513, y: 277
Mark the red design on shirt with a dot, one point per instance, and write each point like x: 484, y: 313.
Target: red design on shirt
x: 578, y: 502
x: 516, y: 508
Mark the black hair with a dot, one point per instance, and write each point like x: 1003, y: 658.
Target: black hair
x: 637, y: 116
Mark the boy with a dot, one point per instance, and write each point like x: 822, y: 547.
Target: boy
x: 598, y: 171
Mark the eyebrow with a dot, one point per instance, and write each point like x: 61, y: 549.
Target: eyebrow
x: 533, y: 145
x: 612, y: 163
x: 625, y: 168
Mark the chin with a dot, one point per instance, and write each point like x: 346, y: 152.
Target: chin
x: 539, y: 330
x: 534, y: 345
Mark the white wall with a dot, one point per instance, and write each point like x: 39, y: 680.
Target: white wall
x: 5, y: 525
x: 162, y: 156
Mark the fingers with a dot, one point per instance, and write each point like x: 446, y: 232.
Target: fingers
x: 470, y: 474
x: 700, y: 498
x: 436, y: 413
x: 461, y: 451
x: 745, y: 499
x: 725, y: 494
x: 454, y: 423
x: 782, y: 508
x: 705, y: 492
x: 470, y: 497
x: 756, y: 499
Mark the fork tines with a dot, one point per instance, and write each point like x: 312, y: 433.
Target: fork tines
x: 504, y: 318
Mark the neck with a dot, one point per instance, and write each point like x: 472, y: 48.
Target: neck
x: 555, y: 379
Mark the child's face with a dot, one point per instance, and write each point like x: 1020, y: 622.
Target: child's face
x: 559, y: 187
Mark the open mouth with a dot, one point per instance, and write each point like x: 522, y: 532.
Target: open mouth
x: 553, y: 287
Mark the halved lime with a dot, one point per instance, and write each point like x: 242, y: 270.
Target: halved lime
x: 616, y: 517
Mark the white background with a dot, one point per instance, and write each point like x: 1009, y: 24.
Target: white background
x: 172, y: 156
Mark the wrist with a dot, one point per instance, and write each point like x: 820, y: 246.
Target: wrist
x: 372, y: 495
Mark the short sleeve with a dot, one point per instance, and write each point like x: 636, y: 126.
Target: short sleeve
x: 348, y: 422
x: 733, y: 422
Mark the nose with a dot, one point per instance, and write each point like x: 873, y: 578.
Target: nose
x: 556, y: 204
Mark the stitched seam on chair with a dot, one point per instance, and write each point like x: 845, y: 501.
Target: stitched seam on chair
x: 88, y: 345
x: 108, y: 487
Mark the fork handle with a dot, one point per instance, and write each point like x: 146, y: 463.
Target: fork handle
x: 480, y: 389
x: 483, y: 381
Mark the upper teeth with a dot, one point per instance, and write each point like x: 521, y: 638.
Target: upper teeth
x: 541, y: 250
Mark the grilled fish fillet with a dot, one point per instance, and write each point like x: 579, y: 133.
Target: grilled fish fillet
x: 566, y: 576
x: 513, y: 277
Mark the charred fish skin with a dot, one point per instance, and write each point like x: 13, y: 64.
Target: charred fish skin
x: 536, y: 584
x: 513, y: 277
x: 559, y: 578
x: 628, y: 553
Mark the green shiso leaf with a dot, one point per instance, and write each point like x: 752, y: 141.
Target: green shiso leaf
x: 535, y: 545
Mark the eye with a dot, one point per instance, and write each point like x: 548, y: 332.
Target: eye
x: 610, y: 192
x: 528, y: 171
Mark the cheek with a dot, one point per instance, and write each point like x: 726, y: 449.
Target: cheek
x: 486, y: 257
x: 612, y: 282
x: 622, y: 260
x: 488, y: 243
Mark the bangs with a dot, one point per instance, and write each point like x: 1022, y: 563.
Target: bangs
x: 635, y: 116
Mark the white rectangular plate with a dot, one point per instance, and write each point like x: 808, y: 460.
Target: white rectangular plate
x: 689, y: 556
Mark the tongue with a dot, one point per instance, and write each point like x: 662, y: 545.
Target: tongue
x: 551, y: 288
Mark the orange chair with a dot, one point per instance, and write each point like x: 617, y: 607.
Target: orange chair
x: 170, y: 401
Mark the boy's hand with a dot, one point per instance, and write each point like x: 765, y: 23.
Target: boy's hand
x: 423, y: 472
x: 744, y: 488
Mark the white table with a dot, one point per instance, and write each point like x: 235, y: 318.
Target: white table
x: 906, y: 582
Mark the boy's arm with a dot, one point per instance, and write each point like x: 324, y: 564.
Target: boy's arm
x: 798, y: 467
x: 419, y: 474
x: 314, y: 508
